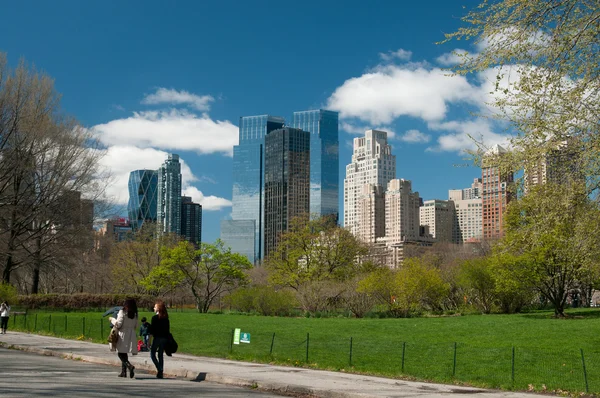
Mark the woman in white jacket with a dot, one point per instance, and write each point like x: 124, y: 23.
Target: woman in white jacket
x: 126, y: 323
x: 4, y: 314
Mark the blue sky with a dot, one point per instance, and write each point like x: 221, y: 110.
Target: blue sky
x: 155, y: 77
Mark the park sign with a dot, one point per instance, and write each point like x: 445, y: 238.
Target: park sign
x: 240, y: 337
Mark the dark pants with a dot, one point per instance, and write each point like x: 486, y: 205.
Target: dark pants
x: 123, y: 357
x: 158, y: 344
x: 4, y: 323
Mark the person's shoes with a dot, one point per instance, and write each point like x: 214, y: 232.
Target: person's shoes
x: 159, y: 375
x: 123, y: 370
x: 123, y: 374
x: 131, y: 369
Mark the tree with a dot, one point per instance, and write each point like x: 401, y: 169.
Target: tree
x: 45, y: 156
x: 477, y: 278
x: 314, y: 250
x: 554, y: 234
x: 542, y: 58
x: 208, y: 272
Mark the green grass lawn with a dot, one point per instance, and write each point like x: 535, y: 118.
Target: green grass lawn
x: 475, y: 349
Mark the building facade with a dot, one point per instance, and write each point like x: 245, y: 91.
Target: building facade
x: 372, y: 163
x: 287, y: 181
x: 371, y: 213
x: 401, y: 212
x: 240, y: 236
x: 191, y: 220
x: 495, y: 194
x: 168, y: 203
x: 468, y: 220
x: 143, y: 196
x: 438, y: 215
x: 248, y: 179
x: 324, y: 160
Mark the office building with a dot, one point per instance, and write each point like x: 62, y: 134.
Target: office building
x: 248, y: 180
x: 438, y: 215
x: 495, y: 193
x: 371, y: 213
x: 372, y: 163
x: 287, y: 181
x: 241, y: 235
x: 468, y: 220
x: 191, y: 220
x: 143, y: 196
x: 324, y: 160
x: 401, y: 212
x: 168, y: 203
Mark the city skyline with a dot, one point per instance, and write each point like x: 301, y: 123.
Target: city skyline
x: 160, y: 97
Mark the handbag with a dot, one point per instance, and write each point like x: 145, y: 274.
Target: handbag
x: 171, y: 346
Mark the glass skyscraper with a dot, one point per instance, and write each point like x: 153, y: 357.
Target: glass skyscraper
x: 169, y: 196
x: 240, y: 236
x: 143, y: 185
x: 191, y: 220
x: 287, y: 181
x: 324, y: 160
x: 248, y: 177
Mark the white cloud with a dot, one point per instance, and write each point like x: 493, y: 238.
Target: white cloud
x: 208, y: 202
x: 122, y: 160
x: 415, y: 136
x: 463, y: 135
x: 391, y: 91
x: 360, y: 130
x: 453, y: 58
x: 174, y: 97
x: 170, y: 130
x: 403, y: 55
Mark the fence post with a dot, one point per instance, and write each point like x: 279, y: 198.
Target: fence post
x: 513, y: 365
x: 454, y: 362
x: 83, y: 326
x: 350, y: 351
x: 587, y: 388
x: 50, y: 323
x: 307, y: 341
x: 25, y: 322
x: 66, y: 325
x: 101, y: 328
x: 35, y: 323
x: 272, y: 342
x: 403, y: 351
x: 231, y: 341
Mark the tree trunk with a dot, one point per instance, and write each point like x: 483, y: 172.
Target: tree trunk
x: 37, y: 266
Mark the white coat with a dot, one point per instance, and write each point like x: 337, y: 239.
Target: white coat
x: 127, y: 332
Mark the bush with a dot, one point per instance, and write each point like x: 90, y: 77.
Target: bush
x: 82, y: 300
x: 263, y: 300
x: 8, y: 293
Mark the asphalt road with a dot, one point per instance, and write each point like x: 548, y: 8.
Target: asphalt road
x: 29, y: 375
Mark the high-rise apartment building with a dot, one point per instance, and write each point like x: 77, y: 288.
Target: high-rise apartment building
x: 438, y: 215
x: 560, y: 165
x: 468, y: 193
x: 372, y: 163
x: 143, y: 187
x: 191, y: 220
x: 495, y: 193
x: 370, y: 206
x: 468, y: 220
x: 324, y: 159
x: 168, y: 203
x: 287, y: 181
x: 248, y: 182
x: 401, y: 212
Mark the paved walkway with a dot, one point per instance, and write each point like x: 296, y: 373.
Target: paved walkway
x: 277, y: 379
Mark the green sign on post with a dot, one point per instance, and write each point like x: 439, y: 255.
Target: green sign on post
x: 245, y: 338
x: 236, y: 336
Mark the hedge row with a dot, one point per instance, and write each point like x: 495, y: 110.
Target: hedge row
x: 82, y: 300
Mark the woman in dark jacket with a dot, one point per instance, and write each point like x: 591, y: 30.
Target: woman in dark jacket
x: 160, y: 329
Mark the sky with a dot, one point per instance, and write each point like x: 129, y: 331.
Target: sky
x: 155, y: 77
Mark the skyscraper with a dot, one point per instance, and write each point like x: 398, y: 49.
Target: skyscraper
x: 372, y: 163
x: 240, y: 235
x: 191, y: 220
x: 324, y: 159
x: 371, y: 213
x: 248, y: 179
x: 438, y: 215
x: 143, y: 186
x: 401, y: 212
x: 287, y: 181
x: 169, y: 196
x: 495, y: 193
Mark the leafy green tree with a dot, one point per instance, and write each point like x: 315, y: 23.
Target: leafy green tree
x: 554, y: 234
x: 208, y: 272
x: 541, y: 58
x: 477, y: 278
x: 511, y: 277
x: 314, y: 250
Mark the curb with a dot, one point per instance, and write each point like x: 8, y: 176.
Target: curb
x: 276, y: 388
